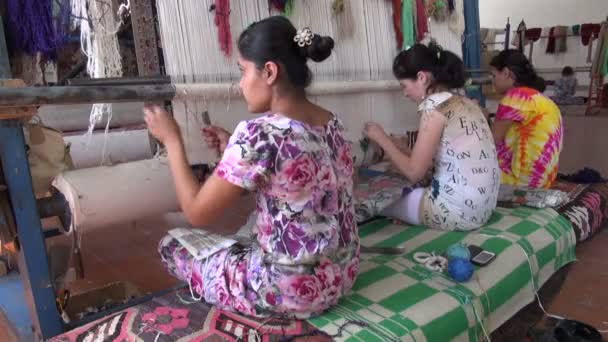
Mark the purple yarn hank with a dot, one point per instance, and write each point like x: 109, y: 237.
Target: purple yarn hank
x: 30, y: 27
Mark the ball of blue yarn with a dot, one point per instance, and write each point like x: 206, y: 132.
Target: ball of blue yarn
x: 460, y: 269
x: 458, y: 251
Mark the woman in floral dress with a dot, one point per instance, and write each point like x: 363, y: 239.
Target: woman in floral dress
x: 296, y: 161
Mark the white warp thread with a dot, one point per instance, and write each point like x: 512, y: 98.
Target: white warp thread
x: 98, y: 28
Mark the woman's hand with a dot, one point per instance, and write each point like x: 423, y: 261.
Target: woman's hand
x: 216, y: 138
x: 161, y: 125
x: 375, y: 132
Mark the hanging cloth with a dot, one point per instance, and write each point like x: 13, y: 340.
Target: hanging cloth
x: 561, y: 34
x: 600, y: 59
x: 533, y: 35
x: 588, y: 33
x: 397, y: 13
x: 519, y: 40
x: 576, y: 30
x: 558, y: 37
x: 551, y: 41
x: 456, y: 21
x: 422, y: 23
x: 488, y: 38
x: 407, y: 24
x: 222, y: 21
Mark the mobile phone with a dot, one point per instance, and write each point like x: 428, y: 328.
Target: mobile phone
x: 481, y: 257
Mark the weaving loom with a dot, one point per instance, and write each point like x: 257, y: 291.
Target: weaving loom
x: 356, y: 83
x: 199, y: 57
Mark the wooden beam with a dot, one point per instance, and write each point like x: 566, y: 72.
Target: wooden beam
x: 35, y: 96
x: 117, y: 81
x: 22, y: 113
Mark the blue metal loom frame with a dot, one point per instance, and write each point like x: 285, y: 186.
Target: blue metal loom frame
x: 33, y: 266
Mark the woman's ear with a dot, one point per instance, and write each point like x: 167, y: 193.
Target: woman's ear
x: 424, y: 78
x: 507, y: 74
x: 271, y: 73
x: 421, y: 76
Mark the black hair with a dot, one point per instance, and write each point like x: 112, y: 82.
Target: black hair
x: 518, y: 64
x: 272, y: 40
x: 447, y: 68
x: 567, y: 71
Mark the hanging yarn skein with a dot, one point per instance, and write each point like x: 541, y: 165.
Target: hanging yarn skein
x: 283, y: 6
x: 337, y: 6
x: 437, y: 9
x: 344, y: 21
x: 407, y: 24
x: 422, y: 22
x: 30, y: 28
x: 397, y: 6
x: 222, y: 21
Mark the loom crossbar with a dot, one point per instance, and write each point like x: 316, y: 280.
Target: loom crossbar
x: 66, y: 95
x: 36, y: 96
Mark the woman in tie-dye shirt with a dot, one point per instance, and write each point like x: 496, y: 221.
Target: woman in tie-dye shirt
x: 528, y: 129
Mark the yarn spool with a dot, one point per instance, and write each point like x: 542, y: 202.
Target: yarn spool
x: 458, y: 250
x: 460, y: 269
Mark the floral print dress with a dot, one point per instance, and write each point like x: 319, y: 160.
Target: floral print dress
x: 306, y: 250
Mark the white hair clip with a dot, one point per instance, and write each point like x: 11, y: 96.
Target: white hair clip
x: 304, y: 37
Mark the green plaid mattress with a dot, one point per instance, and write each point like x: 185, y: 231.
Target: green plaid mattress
x: 396, y: 299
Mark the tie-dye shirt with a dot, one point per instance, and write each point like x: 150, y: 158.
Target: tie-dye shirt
x: 529, y: 153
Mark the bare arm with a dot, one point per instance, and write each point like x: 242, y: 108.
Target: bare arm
x: 201, y: 205
x: 499, y: 129
x: 416, y: 165
x: 401, y: 145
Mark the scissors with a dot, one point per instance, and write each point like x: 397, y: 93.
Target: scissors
x: 431, y: 261
x: 382, y: 250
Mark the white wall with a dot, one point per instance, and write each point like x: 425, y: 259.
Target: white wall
x: 546, y: 14
x: 541, y: 13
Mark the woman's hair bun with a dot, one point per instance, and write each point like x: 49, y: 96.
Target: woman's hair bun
x: 319, y: 49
